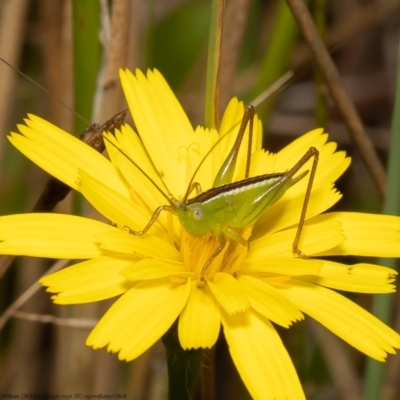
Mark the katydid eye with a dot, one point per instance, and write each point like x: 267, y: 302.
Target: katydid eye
x: 198, y: 213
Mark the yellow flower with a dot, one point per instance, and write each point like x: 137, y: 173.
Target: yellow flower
x: 158, y: 275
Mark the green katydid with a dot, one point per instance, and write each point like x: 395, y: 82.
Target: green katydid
x: 228, y: 207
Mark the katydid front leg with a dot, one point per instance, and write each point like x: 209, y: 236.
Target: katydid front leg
x: 153, y: 219
x: 226, y: 233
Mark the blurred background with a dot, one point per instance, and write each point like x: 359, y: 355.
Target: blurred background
x: 74, y: 50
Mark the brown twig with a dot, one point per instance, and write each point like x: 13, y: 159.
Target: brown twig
x: 367, y: 15
x: 55, y: 190
x: 339, y: 94
x: 77, y: 323
x: 34, y: 288
x: 108, y: 96
x: 12, y: 26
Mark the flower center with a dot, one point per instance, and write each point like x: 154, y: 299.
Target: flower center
x: 197, y: 252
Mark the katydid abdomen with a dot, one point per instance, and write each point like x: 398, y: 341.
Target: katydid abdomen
x: 235, y: 205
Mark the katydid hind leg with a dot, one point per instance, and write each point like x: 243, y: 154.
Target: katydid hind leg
x: 225, y: 173
x: 312, y: 152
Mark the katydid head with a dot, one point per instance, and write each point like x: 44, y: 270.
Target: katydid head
x: 193, y: 218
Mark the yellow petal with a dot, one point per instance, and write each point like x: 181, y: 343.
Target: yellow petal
x: 158, y: 114
x: 315, y: 237
x: 229, y: 129
x: 199, y: 322
x: 88, y: 281
x: 330, y: 167
x: 289, y: 266
x: 204, y: 150
x: 260, y: 357
x: 297, y: 147
x: 331, y: 164
x: 229, y: 126
x: 118, y: 209
x: 228, y: 292
x: 135, y: 155
x: 269, y: 302
x: 151, y: 268
x: 61, y: 154
x: 343, y: 317
x: 130, y: 143
x: 362, y: 278
x: 287, y: 211
x: 120, y: 241
x: 51, y: 235
x: 370, y: 235
x: 127, y: 327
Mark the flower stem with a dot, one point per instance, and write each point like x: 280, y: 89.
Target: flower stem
x: 183, y: 366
